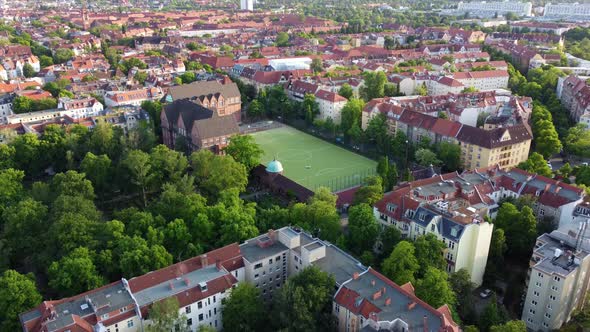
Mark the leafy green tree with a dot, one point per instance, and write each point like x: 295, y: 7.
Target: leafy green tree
x: 351, y: 114
x: 450, y: 156
x: 137, y: 164
x: 28, y: 70
x: 45, y: 61
x: 434, y: 288
x: 72, y: 183
x: 401, y: 266
x: 317, y: 65
x: 282, y: 39
x: 429, y: 253
x: 310, y: 107
x: 22, y: 104
x: 141, y: 137
x: 74, y: 274
x: 165, y: 316
x: 217, y: 173
x: 390, y: 90
x: 374, y: 86
x: 377, y: 131
x: 370, y: 192
x: 462, y: 286
x: 577, y: 140
x: 319, y: 216
x: 491, y: 315
x: 105, y: 139
x: 18, y: 294
x: 304, y: 303
x: 177, y: 239
x: 62, y: 55
x: 154, y: 109
x: 130, y: 63
x: 244, y: 302
x: 11, y: 187
x: 98, y: 169
x: 536, y: 164
x: 363, y: 229
x: 245, y: 150
x: 137, y: 257
x: 21, y: 222
x: 234, y: 218
x: 168, y: 166
x: 522, y: 234
x: 255, y: 109
x: 426, y: 157
x: 510, y: 326
x: 346, y: 91
x: 389, y: 238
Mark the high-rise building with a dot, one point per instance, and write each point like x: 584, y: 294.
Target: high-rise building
x: 558, y: 279
x: 247, y: 5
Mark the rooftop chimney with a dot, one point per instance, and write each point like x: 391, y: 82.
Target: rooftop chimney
x: 171, y: 285
x: 272, y: 234
x: 373, y: 282
x: 218, y: 265
x: 355, y: 275
x: 187, y: 281
x: 425, y: 323
x: 388, y: 301
x: 204, y: 260
x: 383, y: 289
x: 377, y: 295
x: 411, y: 305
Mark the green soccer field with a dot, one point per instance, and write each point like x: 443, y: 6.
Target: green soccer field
x: 311, y: 161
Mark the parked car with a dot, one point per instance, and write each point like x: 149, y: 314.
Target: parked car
x: 485, y: 293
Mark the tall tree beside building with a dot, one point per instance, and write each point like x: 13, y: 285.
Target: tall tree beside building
x: 165, y: 316
x: 304, y: 303
x: 401, y: 266
x: 74, y: 274
x: 346, y: 91
x: 351, y: 114
x: 374, y: 85
x: 429, y: 253
x: 536, y: 164
x: 434, y: 289
x: 244, y: 302
x: 363, y: 229
x: 245, y: 150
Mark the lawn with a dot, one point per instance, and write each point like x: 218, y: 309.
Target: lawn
x: 311, y: 161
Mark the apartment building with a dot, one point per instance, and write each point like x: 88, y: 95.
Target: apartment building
x: 452, y: 207
x: 505, y: 140
x: 201, y: 283
x: 80, y: 108
x: 330, y: 105
x: 557, y: 280
x: 224, y: 98
x: 574, y: 94
x: 504, y: 146
x: 5, y: 107
x: 490, y: 9
x: 577, y: 12
x: 131, y: 98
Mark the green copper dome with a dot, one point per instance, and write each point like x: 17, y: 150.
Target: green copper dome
x: 274, y: 166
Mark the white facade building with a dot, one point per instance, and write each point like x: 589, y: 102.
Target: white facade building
x: 247, y: 5
x: 490, y: 9
x: 568, y: 11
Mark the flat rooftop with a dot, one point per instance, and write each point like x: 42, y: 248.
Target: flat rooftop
x: 179, y: 284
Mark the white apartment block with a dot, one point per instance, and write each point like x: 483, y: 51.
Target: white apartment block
x: 247, y: 5
x: 558, y: 279
x: 330, y: 105
x: 80, y: 108
x: 569, y: 11
x: 490, y: 9
x: 5, y: 108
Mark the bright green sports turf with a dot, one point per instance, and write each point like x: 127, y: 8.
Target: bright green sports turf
x: 311, y: 161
